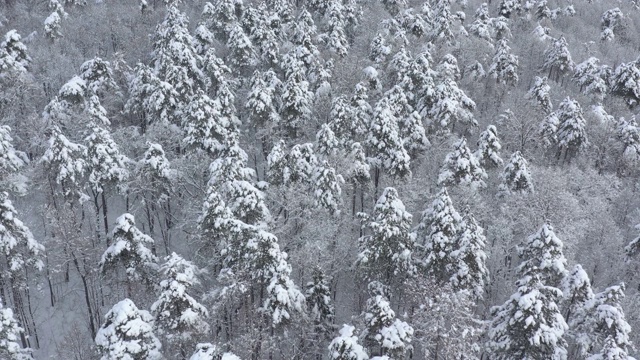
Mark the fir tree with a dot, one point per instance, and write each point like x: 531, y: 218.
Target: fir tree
x: 578, y: 294
x: 504, y: 67
x: 359, y: 171
x: 65, y: 160
x: 625, y: 82
x: 589, y: 75
x: 14, y: 59
x: 529, y: 324
x: 262, y: 100
x: 384, y: 140
x: 242, y: 51
x: 106, y: 165
x: 542, y: 254
x: 516, y: 178
x: 387, y: 251
x: 178, y: 314
x: 461, y: 167
x: 326, y: 187
x: 346, y: 346
x: 481, y: 26
x: 558, y: 59
x: 11, y: 160
x: 319, y: 303
x: 379, y: 50
x: 539, y: 92
x: 489, y: 147
x: 572, y: 135
x: 438, y: 232
x: 296, y: 100
x: 469, y: 269
x: 127, y: 333
x: 129, y: 247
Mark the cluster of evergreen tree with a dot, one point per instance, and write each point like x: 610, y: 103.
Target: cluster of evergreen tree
x: 238, y: 179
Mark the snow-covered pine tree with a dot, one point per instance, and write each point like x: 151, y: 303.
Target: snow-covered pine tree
x: 548, y: 130
x: 127, y: 333
x: 413, y: 132
x: 578, y: 296
x: 481, y: 26
x: 504, y: 66
x: 327, y: 191
x: 262, y: 100
x: 508, y: 7
x: 65, y: 160
x: 438, y: 232
x: 625, y: 82
x: 105, y: 164
x: 629, y: 133
x: 379, y: 50
x: 609, y: 21
x: 516, y: 177
x: 449, y: 105
x: 542, y: 254
x: 10, y: 337
x: 14, y: 59
x: 442, y: 23
x: 204, y: 125
x: 529, y: 324
x: 178, y: 315
x: 129, y: 248
x: 489, y: 147
x: 98, y: 75
x: 11, y: 160
x: 20, y: 248
x: 461, y: 167
x: 386, y: 253
x: 242, y: 52
x: 558, y: 59
x: 572, y: 134
x: 385, y: 142
x: 385, y: 334
x: 590, y: 76
x: 319, y: 303
x: 539, y: 92
x: 296, y: 99
x: 469, y: 268
x: 155, y: 170
x: 346, y: 346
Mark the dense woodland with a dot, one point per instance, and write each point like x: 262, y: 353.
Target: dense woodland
x: 319, y: 179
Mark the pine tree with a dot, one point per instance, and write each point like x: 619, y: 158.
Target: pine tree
x: 379, y: 50
x: 296, y: 100
x: 53, y: 22
x: 335, y: 36
x: 14, y: 59
x: 578, y: 294
x: 508, y: 7
x: 155, y: 170
x: 413, y: 132
x: 10, y: 337
x: 386, y: 253
x: 326, y: 187
x: 106, y: 165
x: 504, y: 66
x: 572, y: 135
x: 558, y: 59
x: 205, y: 126
x: 625, y: 82
x: 589, y: 75
x: 129, y: 247
x: 549, y: 129
x: 65, y: 160
x: 11, y: 160
x: 262, y: 100
x: 127, y: 333
x: 242, y: 51
x: 481, y: 26
x: 449, y: 105
x: 629, y: 133
x: 359, y: 171
x: 609, y: 21
x: 469, y: 269
x: 461, y: 167
x: 516, y: 178
x: 438, y: 232
x: 346, y: 346
x: 542, y: 254
x: 98, y: 75
x: 529, y: 324
x: 319, y: 303
x: 178, y: 314
x: 539, y: 92
x: 489, y: 147
x: 442, y: 22
x: 384, y: 140
x: 384, y: 331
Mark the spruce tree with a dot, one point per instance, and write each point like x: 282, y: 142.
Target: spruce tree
x: 571, y: 133
x: 558, y: 59
x: 504, y: 66
x: 542, y: 254
x: 516, y: 177
x: 384, y: 140
x: 489, y: 147
x: 461, y: 167
x: 127, y: 333
x: 539, y: 92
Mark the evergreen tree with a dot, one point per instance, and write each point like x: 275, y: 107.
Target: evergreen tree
x: 179, y: 316
x: 414, y: 134
x: 539, y: 92
x: 53, y: 22
x: 205, y: 126
x: 14, y: 59
x: 359, y: 171
x: 262, y: 100
x: 11, y: 160
x: 469, y: 269
x: 558, y: 59
x: 542, y: 254
x: 481, y: 26
x: 10, y: 335
x: 326, y: 187
x: 242, y: 51
x: 589, y: 75
x: 127, y: 333
x: 438, y: 232
x: 578, y: 294
x: 384, y: 333
x: 572, y: 135
x: 516, y: 178
x: 129, y: 247
x: 461, y: 167
x: 106, y: 165
x: 504, y: 67
x: 296, y: 100
x: 529, y: 324
x: 387, y: 251
x: 489, y: 147
x: 20, y: 248
x: 508, y: 7
x: 549, y: 129
x: 384, y: 139
x: 346, y: 347
x: 609, y: 21
x: 625, y: 82
x: 65, y: 160
x: 379, y: 50
x: 319, y: 303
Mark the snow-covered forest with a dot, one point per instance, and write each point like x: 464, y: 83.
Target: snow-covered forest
x: 319, y: 179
